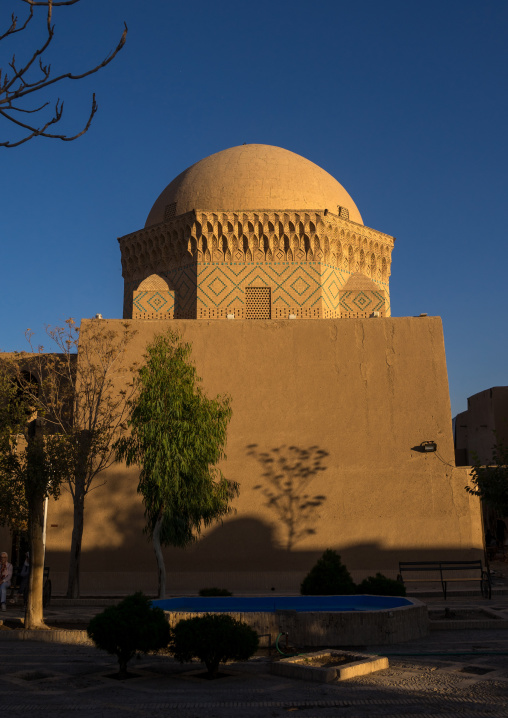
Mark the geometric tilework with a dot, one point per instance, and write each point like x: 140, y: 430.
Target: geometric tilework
x: 293, y: 285
x: 306, y: 290
x: 362, y: 302
x: 198, y: 264
x: 153, y: 305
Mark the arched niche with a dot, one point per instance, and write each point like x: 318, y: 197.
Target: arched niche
x: 153, y: 299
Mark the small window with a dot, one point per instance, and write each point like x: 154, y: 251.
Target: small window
x: 170, y: 211
x: 258, y: 303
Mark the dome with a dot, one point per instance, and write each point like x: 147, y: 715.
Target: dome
x: 252, y: 177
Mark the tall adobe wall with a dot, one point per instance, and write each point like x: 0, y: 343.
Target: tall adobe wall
x: 351, y: 401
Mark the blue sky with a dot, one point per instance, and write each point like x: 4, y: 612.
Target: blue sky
x: 404, y: 102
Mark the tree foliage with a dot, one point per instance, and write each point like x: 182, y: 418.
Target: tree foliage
x: 13, y: 419
x: 490, y: 481
x: 214, y: 639
x: 33, y: 76
x: 130, y: 627
x: 380, y: 585
x: 82, y: 398
x: 33, y: 464
x: 177, y: 436
x: 329, y: 577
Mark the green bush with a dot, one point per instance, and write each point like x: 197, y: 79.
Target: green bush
x: 130, y: 627
x: 214, y: 638
x: 329, y: 577
x: 380, y: 585
x: 214, y: 592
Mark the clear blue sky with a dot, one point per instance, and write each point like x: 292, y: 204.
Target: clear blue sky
x: 405, y: 103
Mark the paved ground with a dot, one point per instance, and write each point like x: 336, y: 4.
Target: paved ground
x: 466, y: 675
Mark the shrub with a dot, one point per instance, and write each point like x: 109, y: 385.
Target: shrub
x: 329, y: 577
x: 214, y: 638
x: 214, y: 592
x: 131, y: 626
x: 380, y: 585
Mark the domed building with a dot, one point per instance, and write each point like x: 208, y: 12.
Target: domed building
x: 255, y: 232
x: 330, y: 411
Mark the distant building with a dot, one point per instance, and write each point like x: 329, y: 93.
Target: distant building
x: 484, y: 423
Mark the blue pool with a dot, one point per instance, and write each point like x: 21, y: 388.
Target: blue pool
x: 270, y: 604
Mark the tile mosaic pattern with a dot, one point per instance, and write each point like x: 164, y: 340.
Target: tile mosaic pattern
x: 218, y: 289
x: 362, y: 303
x: 206, y: 259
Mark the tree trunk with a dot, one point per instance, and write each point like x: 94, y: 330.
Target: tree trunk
x: 212, y: 667
x: 85, y: 438
x: 122, y: 667
x: 161, y: 568
x: 34, y: 617
x: 73, y: 588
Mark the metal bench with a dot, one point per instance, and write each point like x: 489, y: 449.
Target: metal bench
x: 445, y: 572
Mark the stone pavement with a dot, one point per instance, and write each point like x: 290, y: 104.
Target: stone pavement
x: 462, y: 672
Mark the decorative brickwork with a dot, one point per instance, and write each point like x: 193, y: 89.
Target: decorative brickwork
x: 153, y: 299
x: 207, y: 259
x: 361, y: 297
x: 169, y: 211
x: 258, y: 303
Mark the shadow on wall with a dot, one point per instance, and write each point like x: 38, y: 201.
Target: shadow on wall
x: 184, y: 282
x: 248, y: 544
x: 288, y: 472
x: 113, y: 525
x: 245, y: 545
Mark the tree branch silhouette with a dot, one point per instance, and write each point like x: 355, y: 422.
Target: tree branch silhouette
x: 34, y: 76
x: 288, y: 472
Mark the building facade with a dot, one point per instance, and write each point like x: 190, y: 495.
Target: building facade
x: 484, y: 423
x: 255, y: 232
x: 261, y: 260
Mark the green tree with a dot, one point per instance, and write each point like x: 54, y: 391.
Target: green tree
x: 130, y: 627
x: 13, y: 419
x: 328, y: 577
x: 490, y: 482
x: 214, y: 639
x: 33, y: 465
x: 177, y: 436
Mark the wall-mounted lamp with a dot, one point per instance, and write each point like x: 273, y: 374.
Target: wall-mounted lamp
x: 429, y: 446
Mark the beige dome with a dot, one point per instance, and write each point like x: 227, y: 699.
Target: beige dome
x: 252, y: 177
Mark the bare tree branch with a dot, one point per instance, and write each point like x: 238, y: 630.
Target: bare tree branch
x: 14, y: 24
x: 55, y: 4
x: 15, y: 85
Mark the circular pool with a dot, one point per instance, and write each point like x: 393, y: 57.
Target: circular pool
x: 314, y: 620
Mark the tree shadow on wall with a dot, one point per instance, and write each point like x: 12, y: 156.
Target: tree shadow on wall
x: 288, y: 473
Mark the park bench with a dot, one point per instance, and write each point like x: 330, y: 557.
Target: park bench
x: 445, y: 572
